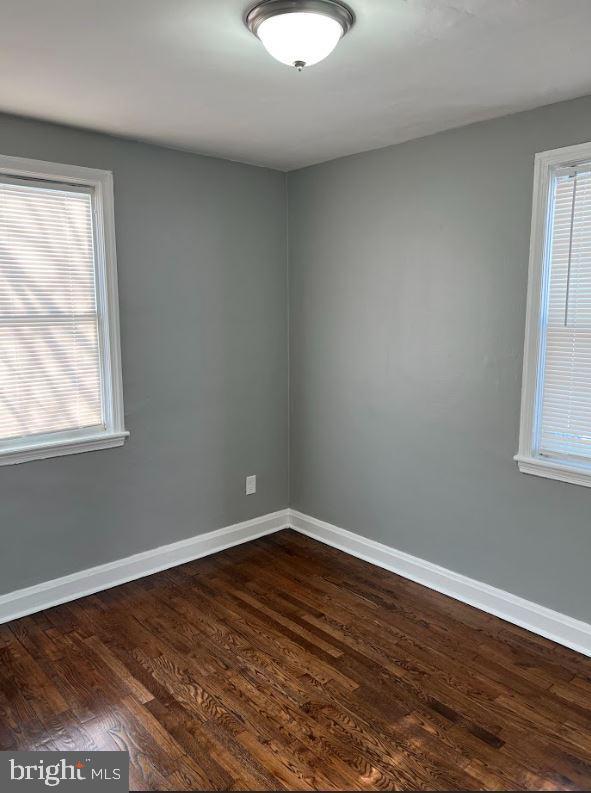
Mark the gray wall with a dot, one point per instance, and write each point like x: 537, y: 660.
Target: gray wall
x: 408, y: 271
x: 408, y: 274
x: 202, y: 279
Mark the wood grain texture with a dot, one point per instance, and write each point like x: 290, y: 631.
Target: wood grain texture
x: 287, y: 665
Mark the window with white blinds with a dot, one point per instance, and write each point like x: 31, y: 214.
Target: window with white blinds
x: 556, y: 408
x: 60, y: 389
x: 565, y: 421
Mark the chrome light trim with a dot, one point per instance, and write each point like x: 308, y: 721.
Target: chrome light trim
x: 271, y: 8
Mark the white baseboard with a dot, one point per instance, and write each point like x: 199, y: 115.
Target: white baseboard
x: 538, y: 619
x: 87, y: 582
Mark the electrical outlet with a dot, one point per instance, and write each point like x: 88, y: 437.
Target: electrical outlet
x: 251, y: 485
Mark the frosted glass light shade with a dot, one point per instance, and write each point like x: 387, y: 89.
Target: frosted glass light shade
x: 302, y: 38
x: 299, y: 32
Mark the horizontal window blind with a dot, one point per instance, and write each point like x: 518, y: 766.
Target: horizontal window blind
x: 50, y: 368
x: 565, y: 421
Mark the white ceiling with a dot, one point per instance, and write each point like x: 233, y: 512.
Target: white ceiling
x: 187, y: 73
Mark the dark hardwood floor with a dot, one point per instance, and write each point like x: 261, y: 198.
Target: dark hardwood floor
x: 284, y: 664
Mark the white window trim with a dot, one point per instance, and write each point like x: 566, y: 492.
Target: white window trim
x: 57, y: 444
x: 528, y: 459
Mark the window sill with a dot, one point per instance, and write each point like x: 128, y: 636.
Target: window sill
x: 41, y: 451
x: 555, y: 469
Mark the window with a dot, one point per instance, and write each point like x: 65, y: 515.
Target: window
x: 60, y: 370
x: 555, y: 437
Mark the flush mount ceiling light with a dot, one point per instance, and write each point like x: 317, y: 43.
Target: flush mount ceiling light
x: 300, y: 32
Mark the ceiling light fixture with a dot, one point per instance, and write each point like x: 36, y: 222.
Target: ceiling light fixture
x: 299, y: 32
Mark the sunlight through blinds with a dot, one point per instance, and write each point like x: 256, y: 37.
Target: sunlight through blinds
x: 50, y: 373
x: 565, y: 426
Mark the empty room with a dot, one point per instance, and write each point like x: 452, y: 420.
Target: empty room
x: 295, y: 395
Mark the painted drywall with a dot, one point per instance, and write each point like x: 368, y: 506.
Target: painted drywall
x: 408, y: 277
x: 202, y: 280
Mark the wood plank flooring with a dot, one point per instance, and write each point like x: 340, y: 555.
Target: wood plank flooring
x: 284, y: 664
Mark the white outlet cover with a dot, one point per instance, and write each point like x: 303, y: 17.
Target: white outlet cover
x: 251, y: 485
